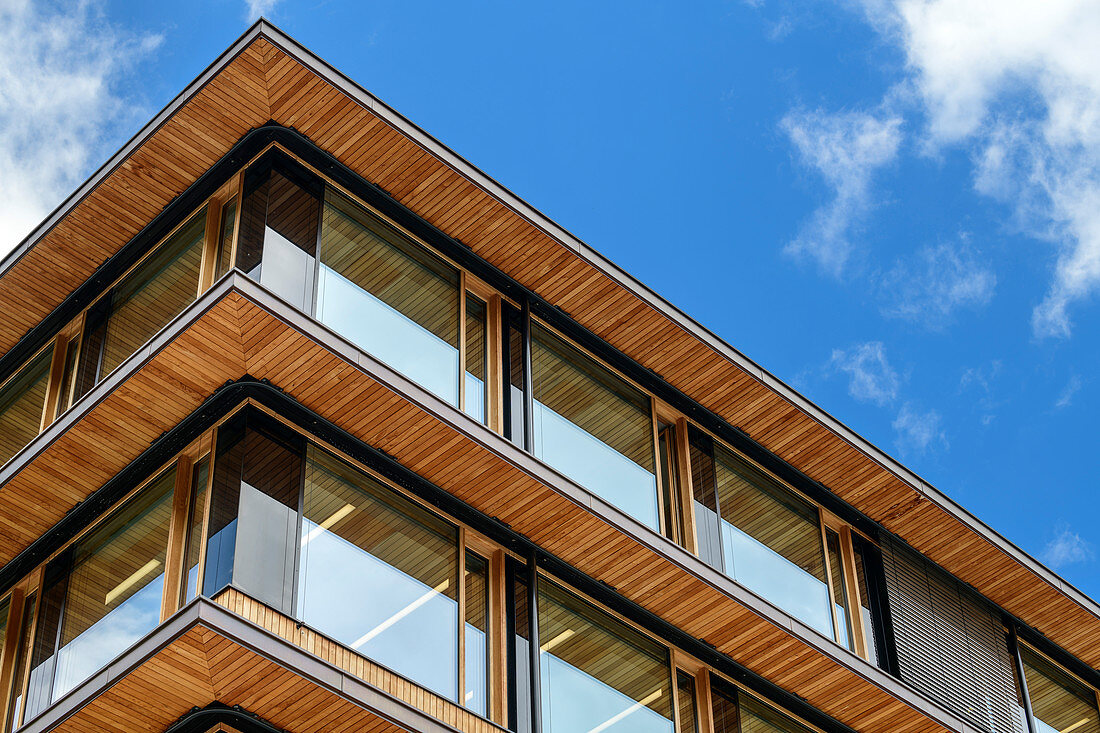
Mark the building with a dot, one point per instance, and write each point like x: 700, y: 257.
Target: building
x: 309, y: 425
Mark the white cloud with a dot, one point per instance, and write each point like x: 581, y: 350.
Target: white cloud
x: 929, y: 288
x: 1066, y: 548
x: 59, y: 111
x: 917, y: 431
x: 845, y: 149
x: 870, y: 376
x: 258, y: 8
x: 1065, y: 399
x: 1017, y: 83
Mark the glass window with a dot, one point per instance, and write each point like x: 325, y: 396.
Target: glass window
x: 194, y: 529
x: 379, y: 574
x: 742, y: 713
x: 760, y: 534
x: 1059, y: 702
x: 724, y: 707
x: 225, y: 238
x: 520, y: 655
x: 594, y: 427
x: 15, y: 701
x: 277, y: 245
x: 512, y: 346
x: 254, y: 512
x: 477, y: 353
x: 477, y: 634
x: 64, y: 399
x: 389, y: 296
x: 865, y: 603
x: 143, y: 303
x: 840, y: 590
x: 685, y: 700
x: 22, y: 401
x: 104, y: 595
x: 597, y: 673
x: 670, y: 481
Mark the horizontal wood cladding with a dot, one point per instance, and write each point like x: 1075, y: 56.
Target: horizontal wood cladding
x: 264, y: 82
x: 203, y: 666
x: 236, y: 335
x: 339, y: 656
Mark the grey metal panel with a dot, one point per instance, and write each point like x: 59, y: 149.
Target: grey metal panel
x: 950, y: 642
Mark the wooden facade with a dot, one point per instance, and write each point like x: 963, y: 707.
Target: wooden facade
x: 238, y: 333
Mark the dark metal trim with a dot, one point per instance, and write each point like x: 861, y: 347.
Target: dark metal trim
x: 1021, y: 679
x: 533, y: 643
x: 528, y: 384
x: 200, y: 720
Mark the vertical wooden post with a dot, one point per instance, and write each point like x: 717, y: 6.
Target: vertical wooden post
x: 177, y: 537
x: 11, y: 649
x: 497, y: 626
x: 208, y: 265
x: 704, y: 704
x: 56, y: 378
x: 687, y: 492
x: 851, y: 583
x: 665, y: 493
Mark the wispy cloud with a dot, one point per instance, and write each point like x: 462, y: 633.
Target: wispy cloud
x: 1065, y: 399
x: 981, y: 380
x: 1019, y: 88
x: 59, y: 108
x: 929, y: 288
x: 846, y: 149
x: 918, y: 430
x: 870, y: 376
x: 1066, y: 548
x: 259, y: 8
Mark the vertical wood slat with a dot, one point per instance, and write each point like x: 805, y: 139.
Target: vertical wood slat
x: 177, y: 537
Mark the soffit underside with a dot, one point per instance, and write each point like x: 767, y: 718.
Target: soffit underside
x: 264, y: 82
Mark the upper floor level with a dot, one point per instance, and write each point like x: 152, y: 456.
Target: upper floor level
x: 574, y: 389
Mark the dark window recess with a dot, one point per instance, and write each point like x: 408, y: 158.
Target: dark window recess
x: 513, y: 369
x: 950, y: 642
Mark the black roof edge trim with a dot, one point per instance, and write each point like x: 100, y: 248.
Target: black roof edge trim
x: 232, y: 394
x: 200, y: 720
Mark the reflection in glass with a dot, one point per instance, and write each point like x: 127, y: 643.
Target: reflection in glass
x: 379, y: 574
x: 840, y: 591
x: 759, y: 533
x: 476, y: 358
x: 756, y: 717
x: 107, y: 601
x: 278, y: 239
x: 520, y: 657
x: 64, y: 399
x: 670, y: 481
x: 865, y: 603
x: 254, y: 513
x: 389, y: 297
x: 1059, y: 702
x: 476, y: 639
x: 685, y: 700
x: 724, y: 707
x: 194, y: 529
x: 225, y: 239
x: 512, y: 347
x: 597, y: 673
x: 22, y: 400
x: 16, y: 699
x: 593, y: 427
x: 143, y: 303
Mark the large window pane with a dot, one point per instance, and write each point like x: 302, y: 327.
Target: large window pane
x: 477, y: 353
x: 760, y: 534
x: 685, y: 700
x: 278, y: 239
x: 15, y: 700
x: 379, y: 574
x: 389, y: 297
x: 476, y: 637
x: 593, y: 427
x: 597, y: 673
x: 1059, y: 702
x: 840, y: 590
x: 153, y: 294
x: 254, y: 512
x: 22, y: 400
x: 756, y: 717
x: 109, y: 598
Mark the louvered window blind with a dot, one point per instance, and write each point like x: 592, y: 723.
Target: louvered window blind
x: 950, y: 642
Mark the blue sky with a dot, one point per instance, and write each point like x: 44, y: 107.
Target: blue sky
x: 894, y: 205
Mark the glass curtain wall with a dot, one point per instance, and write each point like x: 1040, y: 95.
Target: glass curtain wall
x: 101, y: 596
x: 22, y: 401
x: 759, y: 533
x: 741, y: 713
x: 143, y: 303
x: 594, y: 427
x: 1059, y: 702
x: 597, y: 673
x: 319, y: 540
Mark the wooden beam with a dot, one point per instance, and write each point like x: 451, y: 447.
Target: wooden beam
x: 177, y: 537
x: 11, y: 649
x: 687, y: 491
